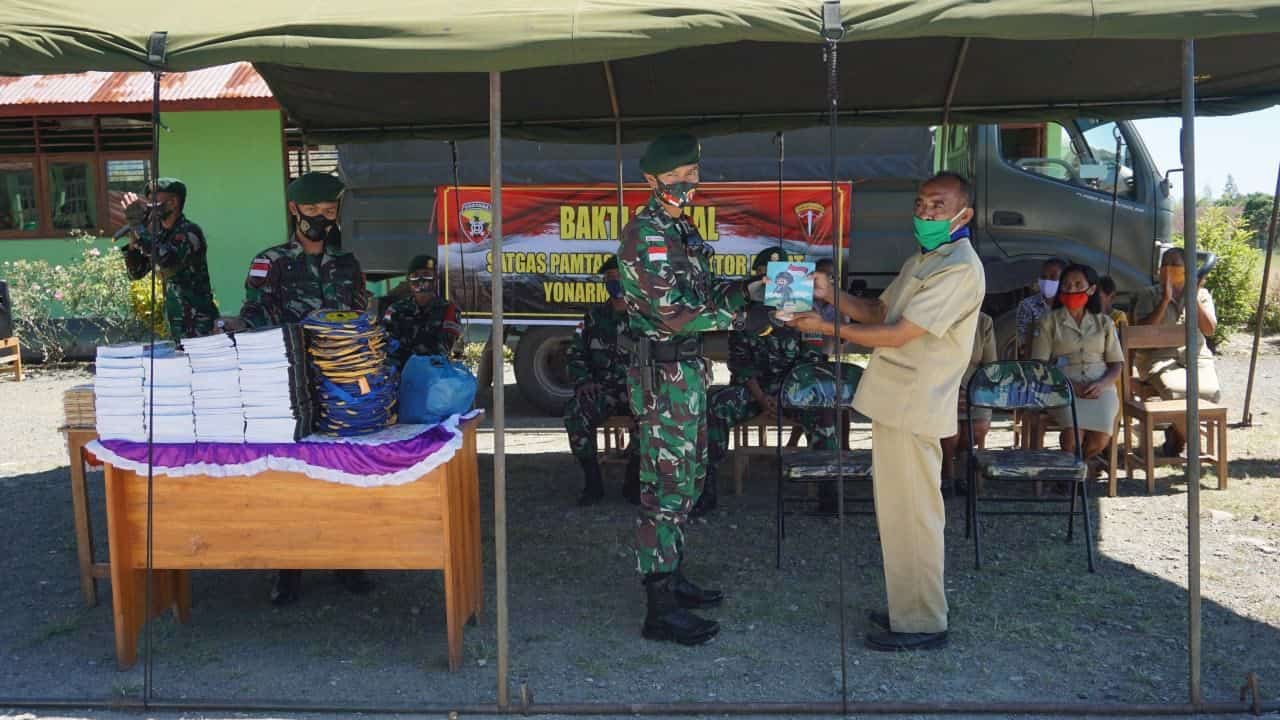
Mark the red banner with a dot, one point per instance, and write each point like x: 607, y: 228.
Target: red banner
x: 556, y: 237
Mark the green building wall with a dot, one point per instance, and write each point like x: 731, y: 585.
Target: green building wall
x: 233, y: 165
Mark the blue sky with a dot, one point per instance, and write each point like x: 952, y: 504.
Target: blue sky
x: 1246, y: 146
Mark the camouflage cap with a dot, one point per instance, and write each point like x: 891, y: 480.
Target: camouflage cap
x: 173, y: 186
x: 768, y: 255
x: 610, y: 263
x: 422, y: 262
x: 670, y: 152
x: 315, y: 187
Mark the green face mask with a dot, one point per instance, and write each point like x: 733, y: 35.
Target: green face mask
x: 932, y: 234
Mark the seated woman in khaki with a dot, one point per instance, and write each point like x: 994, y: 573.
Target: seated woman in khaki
x: 1077, y: 337
x: 1166, y: 370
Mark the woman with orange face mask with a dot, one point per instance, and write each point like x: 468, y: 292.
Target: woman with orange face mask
x: 1081, y: 340
x: 1165, y: 370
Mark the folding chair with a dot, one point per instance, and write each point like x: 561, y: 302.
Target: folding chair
x: 812, y: 387
x: 1031, y: 386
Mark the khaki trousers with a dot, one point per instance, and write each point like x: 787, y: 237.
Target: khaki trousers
x: 911, y: 517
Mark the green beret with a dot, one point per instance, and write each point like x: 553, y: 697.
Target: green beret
x: 173, y: 186
x: 767, y: 255
x: 670, y: 152
x: 315, y: 187
x: 421, y: 262
x: 610, y: 263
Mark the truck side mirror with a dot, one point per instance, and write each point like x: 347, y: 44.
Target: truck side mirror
x: 1165, y: 185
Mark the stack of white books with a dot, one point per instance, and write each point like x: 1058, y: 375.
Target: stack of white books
x: 273, y: 384
x: 168, y: 406
x: 117, y: 393
x: 215, y: 389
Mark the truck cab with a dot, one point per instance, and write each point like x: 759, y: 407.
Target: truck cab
x: 1083, y: 189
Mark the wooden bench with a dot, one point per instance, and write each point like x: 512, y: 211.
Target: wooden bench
x: 765, y: 427
x: 618, y: 431
x: 11, y: 354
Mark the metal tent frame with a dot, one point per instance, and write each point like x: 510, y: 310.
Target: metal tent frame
x: 1195, y: 703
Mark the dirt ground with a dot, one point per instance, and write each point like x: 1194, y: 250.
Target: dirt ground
x: 1031, y: 625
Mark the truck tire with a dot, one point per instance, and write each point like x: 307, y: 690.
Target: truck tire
x: 542, y: 367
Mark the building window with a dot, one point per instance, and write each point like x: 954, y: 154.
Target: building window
x: 18, y: 210
x: 126, y: 180
x: 62, y: 175
x: 72, y: 195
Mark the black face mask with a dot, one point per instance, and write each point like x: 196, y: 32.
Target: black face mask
x: 315, y: 227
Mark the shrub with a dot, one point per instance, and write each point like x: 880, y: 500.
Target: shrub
x: 1234, y: 283
x: 94, y: 286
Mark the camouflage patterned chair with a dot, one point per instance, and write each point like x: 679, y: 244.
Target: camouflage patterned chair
x: 811, y: 388
x: 1032, y: 386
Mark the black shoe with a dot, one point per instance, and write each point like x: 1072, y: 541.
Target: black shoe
x: 692, y: 597
x: 287, y: 589
x: 707, y: 501
x: 878, y: 619
x: 593, y: 489
x: 355, y: 582
x: 665, y: 620
x: 889, y: 641
x: 631, y: 485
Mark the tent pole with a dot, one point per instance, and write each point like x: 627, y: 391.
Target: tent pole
x: 1189, y: 291
x: 499, y: 406
x: 617, y: 146
x: 1247, y: 419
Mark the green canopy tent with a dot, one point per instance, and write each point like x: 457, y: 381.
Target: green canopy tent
x: 597, y: 69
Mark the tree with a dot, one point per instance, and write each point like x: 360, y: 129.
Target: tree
x: 1257, y: 215
x: 1206, y: 194
x: 1230, y: 193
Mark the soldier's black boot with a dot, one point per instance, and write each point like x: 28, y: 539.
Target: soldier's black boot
x: 691, y: 596
x: 707, y: 501
x: 355, y: 582
x: 287, y: 589
x: 593, y: 490
x: 631, y: 485
x: 665, y: 620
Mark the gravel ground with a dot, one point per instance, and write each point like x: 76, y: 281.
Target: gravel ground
x: 1032, y: 625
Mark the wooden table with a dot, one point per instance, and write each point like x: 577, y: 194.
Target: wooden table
x: 90, y: 571
x: 288, y: 520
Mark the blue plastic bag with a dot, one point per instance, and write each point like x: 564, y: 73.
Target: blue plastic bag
x: 432, y: 389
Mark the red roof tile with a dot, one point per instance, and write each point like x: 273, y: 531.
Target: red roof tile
x: 237, y: 81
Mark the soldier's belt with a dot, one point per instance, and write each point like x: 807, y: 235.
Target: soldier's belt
x: 676, y: 350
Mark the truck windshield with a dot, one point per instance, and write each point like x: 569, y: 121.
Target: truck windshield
x: 1082, y: 153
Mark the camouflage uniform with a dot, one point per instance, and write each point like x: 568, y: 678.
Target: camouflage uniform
x: 429, y: 329
x: 285, y: 283
x: 181, y: 258
x: 596, y: 356
x: 766, y: 359
x: 670, y: 295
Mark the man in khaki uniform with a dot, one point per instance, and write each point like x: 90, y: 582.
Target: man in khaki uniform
x: 922, y: 330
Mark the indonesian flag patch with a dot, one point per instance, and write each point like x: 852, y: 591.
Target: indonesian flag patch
x: 259, y: 268
x: 657, y: 253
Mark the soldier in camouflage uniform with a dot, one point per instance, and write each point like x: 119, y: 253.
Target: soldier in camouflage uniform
x: 758, y: 366
x: 671, y: 297
x: 598, y: 365
x: 288, y: 281
x: 423, y: 323
x: 180, y: 257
